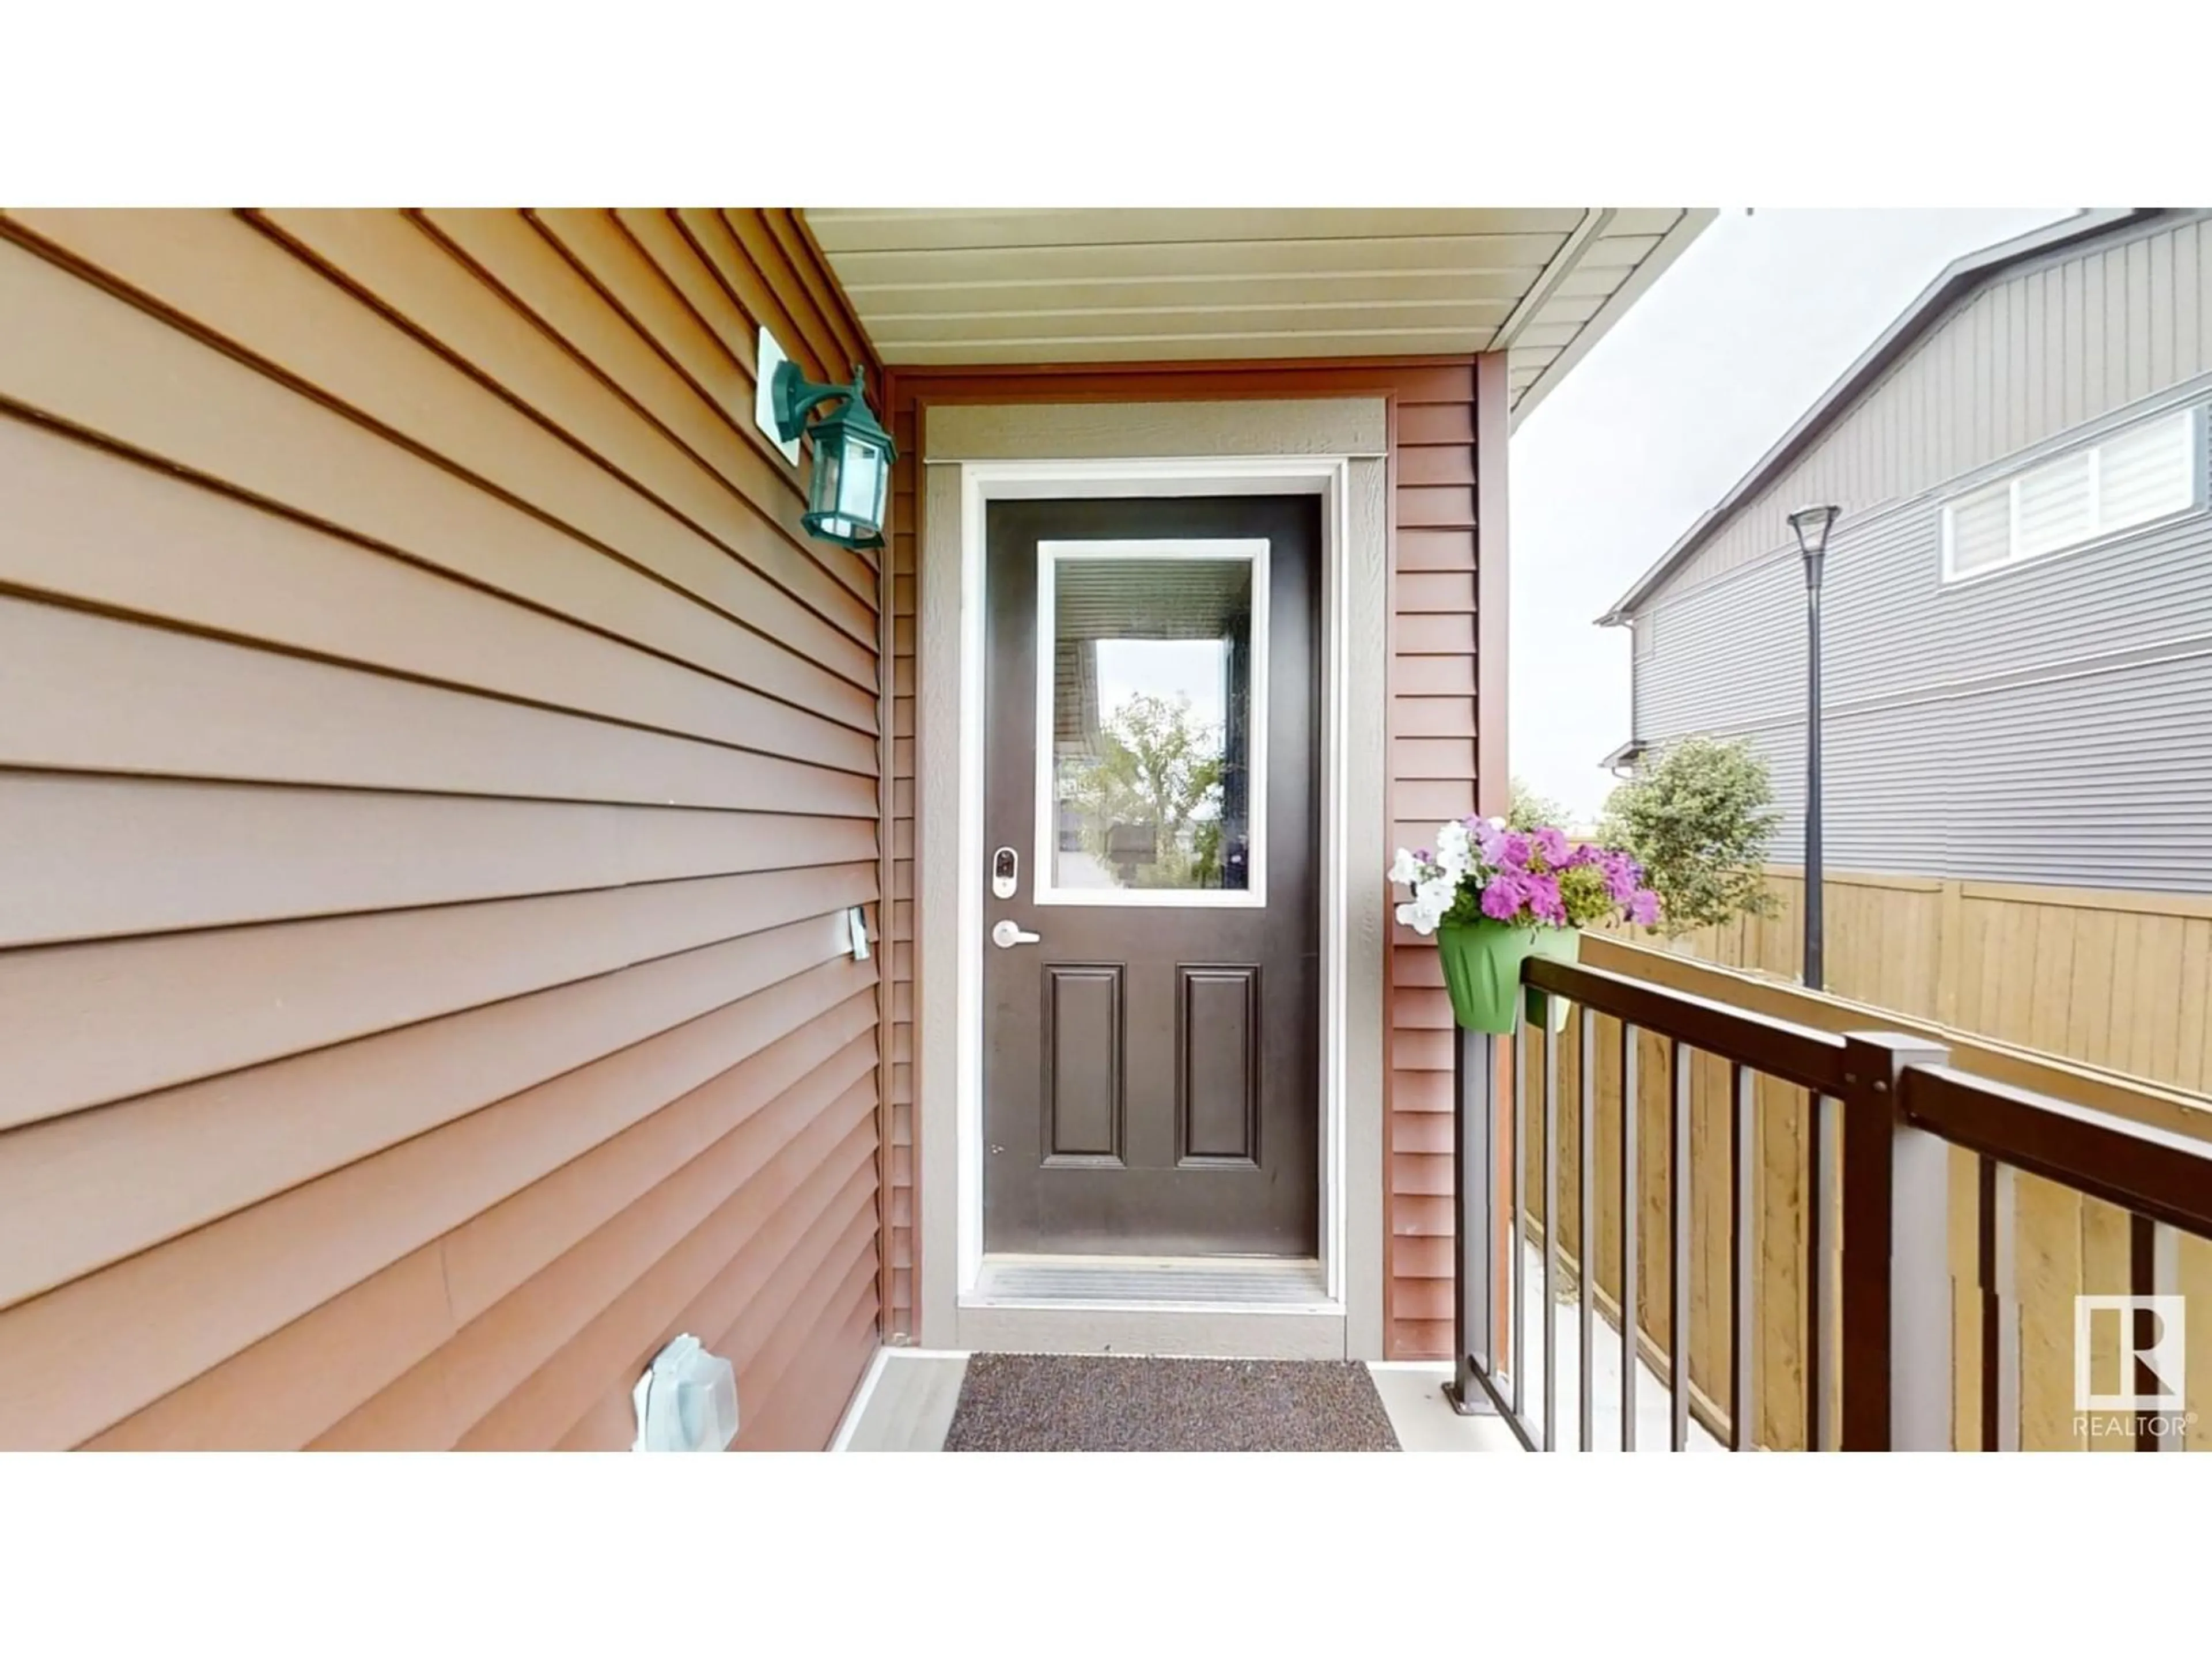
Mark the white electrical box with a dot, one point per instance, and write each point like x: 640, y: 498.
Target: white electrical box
x: 770, y: 354
x: 687, y: 1401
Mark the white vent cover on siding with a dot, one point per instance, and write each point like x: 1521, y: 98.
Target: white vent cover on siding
x: 2149, y: 471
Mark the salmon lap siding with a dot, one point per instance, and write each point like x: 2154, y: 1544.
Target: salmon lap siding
x: 434, y: 767
x: 1434, y: 773
x: 1431, y: 723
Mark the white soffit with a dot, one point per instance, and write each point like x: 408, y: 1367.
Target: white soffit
x: 943, y: 287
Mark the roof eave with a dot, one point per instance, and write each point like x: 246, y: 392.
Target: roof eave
x: 1685, y: 231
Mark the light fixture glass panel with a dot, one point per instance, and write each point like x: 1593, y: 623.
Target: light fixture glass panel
x: 829, y: 461
x: 1811, y: 526
x: 859, y: 479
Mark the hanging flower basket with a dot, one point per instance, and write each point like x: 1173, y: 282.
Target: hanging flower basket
x: 1482, y: 971
x: 1494, y: 897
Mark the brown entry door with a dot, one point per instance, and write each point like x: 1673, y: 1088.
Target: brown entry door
x: 1150, y: 968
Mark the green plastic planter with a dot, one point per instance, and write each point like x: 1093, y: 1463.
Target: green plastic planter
x: 1482, y: 969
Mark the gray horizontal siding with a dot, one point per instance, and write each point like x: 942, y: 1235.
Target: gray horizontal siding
x: 2096, y: 781
x: 1732, y: 654
x: 2048, y: 723
x: 2037, y: 352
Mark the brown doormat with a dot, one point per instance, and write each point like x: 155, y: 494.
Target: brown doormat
x: 1089, y: 1403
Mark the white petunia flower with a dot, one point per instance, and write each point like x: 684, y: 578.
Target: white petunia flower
x: 1417, y: 918
x: 1435, y: 895
x: 1408, y: 869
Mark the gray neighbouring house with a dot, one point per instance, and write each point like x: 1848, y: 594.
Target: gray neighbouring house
x: 2017, y: 595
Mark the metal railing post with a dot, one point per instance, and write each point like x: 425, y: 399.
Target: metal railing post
x: 2154, y: 1269
x: 1474, y: 1217
x: 1896, y: 1255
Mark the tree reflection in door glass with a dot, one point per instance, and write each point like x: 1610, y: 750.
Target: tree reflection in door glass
x: 1152, y: 723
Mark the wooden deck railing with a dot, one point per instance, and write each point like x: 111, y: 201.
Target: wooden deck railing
x: 1868, y: 1259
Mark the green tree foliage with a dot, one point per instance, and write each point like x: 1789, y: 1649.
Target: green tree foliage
x: 1157, y: 766
x: 1527, y: 810
x: 1698, y: 819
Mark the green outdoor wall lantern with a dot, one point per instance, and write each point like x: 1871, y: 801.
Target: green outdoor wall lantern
x: 852, y: 456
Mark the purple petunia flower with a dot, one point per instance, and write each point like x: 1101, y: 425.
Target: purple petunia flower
x: 1488, y: 837
x: 1620, y: 882
x: 1502, y: 898
x: 1643, y: 908
x: 1513, y: 849
x: 1544, y: 900
x: 1553, y: 844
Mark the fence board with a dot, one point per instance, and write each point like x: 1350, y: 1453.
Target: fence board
x: 2118, y: 980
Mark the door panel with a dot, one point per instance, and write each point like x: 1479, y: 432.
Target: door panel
x: 1151, y: 1060
x: 1082, y: 1046
x: 1217, y: 1065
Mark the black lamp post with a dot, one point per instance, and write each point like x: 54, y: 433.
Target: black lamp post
x: 1812, y: 524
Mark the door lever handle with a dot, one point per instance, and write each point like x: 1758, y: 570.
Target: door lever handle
x: 1007, y: 934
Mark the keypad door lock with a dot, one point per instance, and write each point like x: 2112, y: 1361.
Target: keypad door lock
x: 1006, y: 874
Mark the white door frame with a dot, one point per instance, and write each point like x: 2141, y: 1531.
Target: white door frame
x: 951, y: 849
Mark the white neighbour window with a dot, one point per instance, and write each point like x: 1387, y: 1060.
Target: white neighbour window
x: 2146, y: 472
x: 1978, y: 532
x: 2055, y: 505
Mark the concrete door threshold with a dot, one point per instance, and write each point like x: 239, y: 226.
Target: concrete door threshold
x: 1196, y: 1307
x: 1153, y: 1284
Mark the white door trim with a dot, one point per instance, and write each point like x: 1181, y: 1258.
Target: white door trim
x: 950, y: 854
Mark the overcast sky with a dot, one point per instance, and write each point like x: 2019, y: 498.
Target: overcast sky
x: 1752, y: 323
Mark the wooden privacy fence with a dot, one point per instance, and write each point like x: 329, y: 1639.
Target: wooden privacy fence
x: 2061, y: 1244
x: 2121, y: 979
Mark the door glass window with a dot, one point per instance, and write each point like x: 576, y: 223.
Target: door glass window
x: 1151, y: 711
